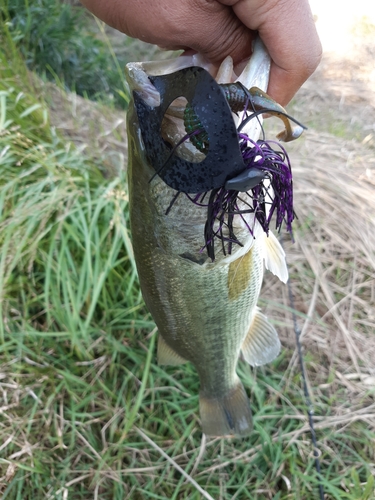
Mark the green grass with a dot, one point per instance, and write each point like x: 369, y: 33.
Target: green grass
x: 63, y: 47
x: 86, y: 413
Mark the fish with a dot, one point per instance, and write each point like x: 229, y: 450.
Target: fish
x: 205, y: 310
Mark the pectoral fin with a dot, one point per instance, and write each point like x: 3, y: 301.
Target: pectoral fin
x: 166, y: 355
x: 274, y: 257
x: 262, y: 344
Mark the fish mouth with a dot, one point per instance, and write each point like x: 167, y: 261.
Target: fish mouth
x: 254, y: 74
x: 257, y: 170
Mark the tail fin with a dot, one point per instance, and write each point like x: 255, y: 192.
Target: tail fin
x: 228, y: 415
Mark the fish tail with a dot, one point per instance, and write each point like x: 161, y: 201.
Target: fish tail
x: 227, y: 415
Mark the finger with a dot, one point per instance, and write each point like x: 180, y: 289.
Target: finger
x: 214, y: 30
x: 288, y: 30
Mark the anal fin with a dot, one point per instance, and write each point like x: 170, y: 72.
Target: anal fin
x: 226, y: 415
x: 166, y: 355
x: 262, y: 344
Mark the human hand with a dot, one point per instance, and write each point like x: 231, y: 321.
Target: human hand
x: 217, y: 28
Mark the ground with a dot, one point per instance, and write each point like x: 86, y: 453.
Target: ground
x: 334, y: 178
x: 332, y: 278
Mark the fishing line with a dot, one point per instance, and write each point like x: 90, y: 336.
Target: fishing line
x: 310, y: 409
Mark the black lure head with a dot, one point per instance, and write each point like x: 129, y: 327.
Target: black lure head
x: 246, y: 180
x: 224, y: 159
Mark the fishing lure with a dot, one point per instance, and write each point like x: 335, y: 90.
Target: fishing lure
x: 262, y: 162
x: 233, y: 162
x: 223, y: 160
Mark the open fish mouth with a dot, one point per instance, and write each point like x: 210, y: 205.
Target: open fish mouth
x: 205, y: 139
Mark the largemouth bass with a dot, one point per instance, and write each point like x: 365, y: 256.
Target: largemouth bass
x: 206, y: 312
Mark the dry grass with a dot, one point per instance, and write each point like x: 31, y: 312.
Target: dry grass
x: 332, y: 265
x: 332, y: 262
x: 97, y: 131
